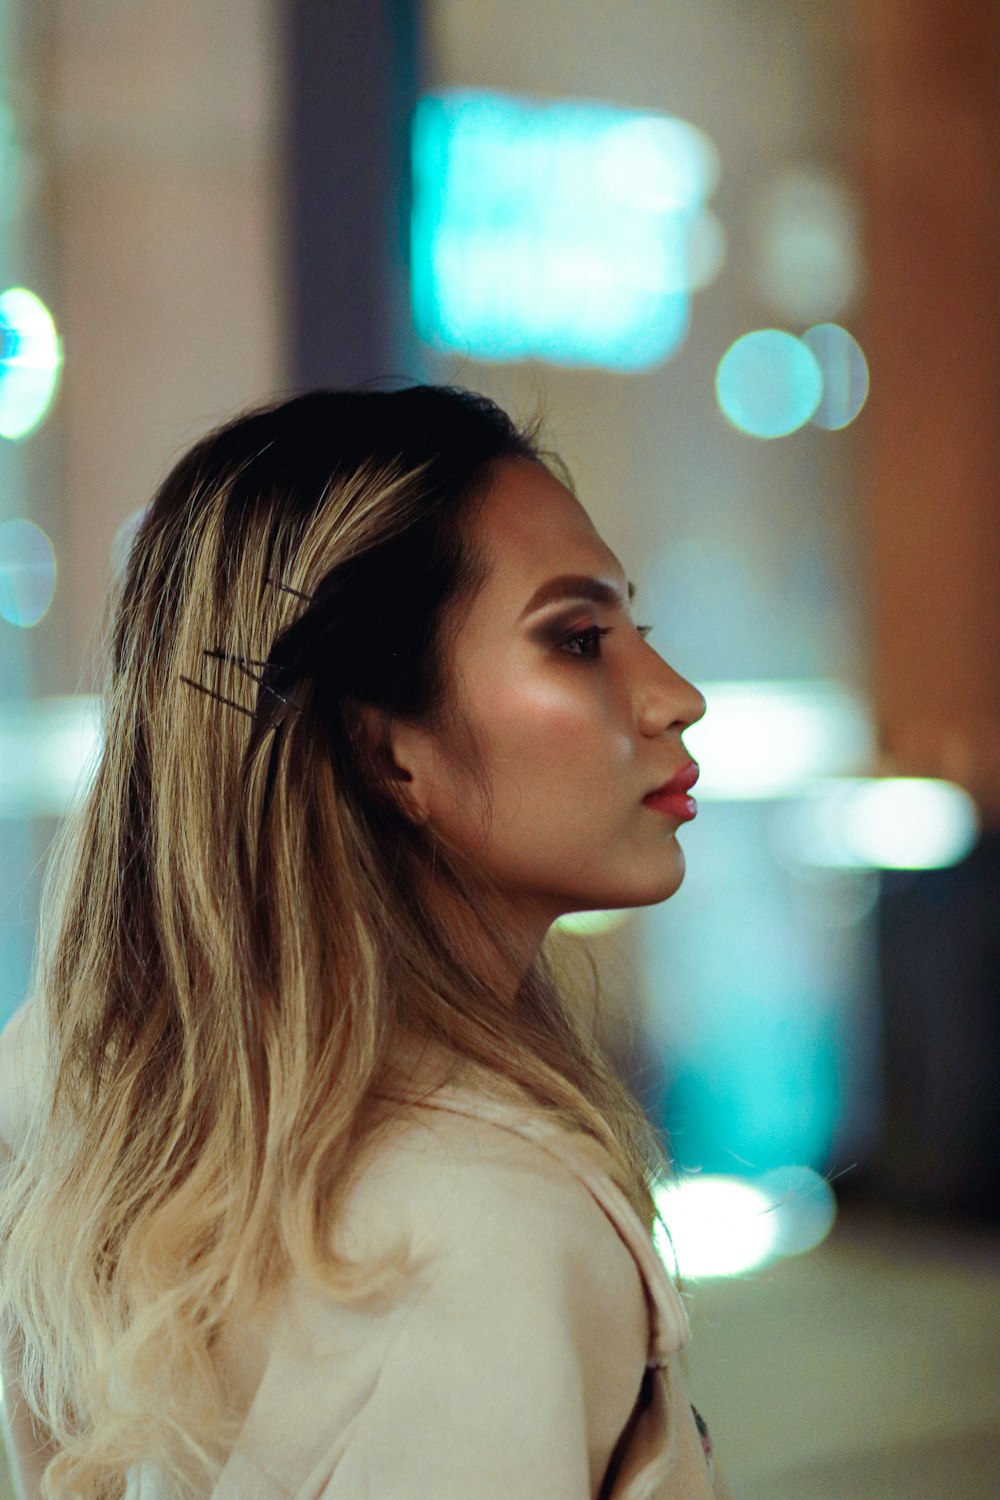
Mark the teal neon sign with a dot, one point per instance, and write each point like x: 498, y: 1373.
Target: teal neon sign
x: 554, y: 229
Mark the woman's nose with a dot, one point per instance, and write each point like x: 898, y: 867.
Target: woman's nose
x: 672, y: 702
x: 695, y: 702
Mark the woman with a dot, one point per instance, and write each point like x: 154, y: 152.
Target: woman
x: 316, y: 1186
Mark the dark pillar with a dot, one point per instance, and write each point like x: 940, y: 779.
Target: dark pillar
x: 939, y: 968
x: 352, y: 72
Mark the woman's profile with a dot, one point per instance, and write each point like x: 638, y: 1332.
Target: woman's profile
x: 316, y: 1185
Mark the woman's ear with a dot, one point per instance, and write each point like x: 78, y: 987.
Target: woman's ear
x: 412, y: 755
x: 409, y: 756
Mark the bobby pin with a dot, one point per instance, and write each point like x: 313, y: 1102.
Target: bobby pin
x: 243, y: 663
x: 289, y: 590
x: 230, y: 702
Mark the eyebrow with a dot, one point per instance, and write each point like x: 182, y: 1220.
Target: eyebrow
x: 577, y: 586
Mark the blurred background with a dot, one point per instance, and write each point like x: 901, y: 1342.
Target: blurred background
x: 744, y: 255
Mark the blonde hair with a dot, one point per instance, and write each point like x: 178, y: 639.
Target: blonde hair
x: 232, y: 920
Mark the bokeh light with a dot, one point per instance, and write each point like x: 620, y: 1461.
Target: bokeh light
x: 768, y: 383
x: 718, y: 1226
x: 761, y: 740
x: 845, y: 374
x: 568, y: 230
x: 803, y: 1205
x: 805, y: 241
x: 30, y: 361
x: 49, y: 753
x: 27, y: 572
x: 892, y: 823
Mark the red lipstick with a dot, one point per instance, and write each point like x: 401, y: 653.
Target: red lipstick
x: 672, y: 796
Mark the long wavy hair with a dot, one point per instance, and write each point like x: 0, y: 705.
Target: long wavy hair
x: 234, y: 945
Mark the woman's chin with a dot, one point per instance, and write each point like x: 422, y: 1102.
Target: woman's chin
x: 669, y: 882
x: 648, y: 894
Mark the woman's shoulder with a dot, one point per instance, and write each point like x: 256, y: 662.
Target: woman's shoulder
x: 435, y: 1162
x: 494, y: 1213
x: 456, y: 1170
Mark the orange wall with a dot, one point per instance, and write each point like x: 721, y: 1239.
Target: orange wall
x: 929, y: 162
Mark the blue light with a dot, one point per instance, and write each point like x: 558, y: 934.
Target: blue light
x: 763, y: 741
x: 718, y: 1226
x: 559, y: 230
x: 725, y: 1226
x: 30, y: 361
x: 891, y: 822
x: 27, y: 572
x: 768, y: 383
x: 49, y: 753
x: 845, y: 374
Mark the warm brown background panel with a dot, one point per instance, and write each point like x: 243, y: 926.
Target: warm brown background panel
x: 928, y: 156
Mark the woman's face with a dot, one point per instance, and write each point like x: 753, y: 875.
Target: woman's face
x: 577, y: 728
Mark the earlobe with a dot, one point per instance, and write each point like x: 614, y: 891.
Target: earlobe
x: 405, y: 795
x: 407, y: 751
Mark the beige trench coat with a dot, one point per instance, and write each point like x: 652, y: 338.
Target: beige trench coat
x: 537, y: 1360
x: 452, y: 1408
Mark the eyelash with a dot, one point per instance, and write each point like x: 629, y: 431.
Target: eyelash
x: 593, y: 634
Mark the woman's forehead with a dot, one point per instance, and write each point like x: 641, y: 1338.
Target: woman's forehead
x: 533, y: 528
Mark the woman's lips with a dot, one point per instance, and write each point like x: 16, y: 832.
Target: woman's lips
x: 677, y: 804
x: 672, y: 797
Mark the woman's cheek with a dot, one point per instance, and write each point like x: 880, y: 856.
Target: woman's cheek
x: 534, y: 717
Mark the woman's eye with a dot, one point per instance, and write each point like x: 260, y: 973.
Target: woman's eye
x: 591, y: 639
